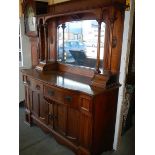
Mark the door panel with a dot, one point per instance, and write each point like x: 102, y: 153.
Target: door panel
x: 73, y: 125
x: 43, y: 109
x: 60, y: 118
x: 38, y: 106
x: 35, y: 101
x: 85, y: 130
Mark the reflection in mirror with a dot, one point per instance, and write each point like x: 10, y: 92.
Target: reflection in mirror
x: 77, y: 43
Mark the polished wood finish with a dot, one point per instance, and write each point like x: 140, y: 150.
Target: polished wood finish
x: 117, y: 41
x: 34, y: 51
x: 82, y: 5
x: 70, y: 108
x: 98, y: 47
x: 76, y: 104
x: 110, y: 12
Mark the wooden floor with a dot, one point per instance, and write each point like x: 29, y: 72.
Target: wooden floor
x: 33, y: 141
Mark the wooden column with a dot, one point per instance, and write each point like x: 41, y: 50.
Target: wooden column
x: 109, y: 39
x: 46, y: 42
x: 40, y: 42
x: 117, y: 37
x: 63, y: 29
x: 98, y: 47
x: 34, y: 51
x: 58, y: 41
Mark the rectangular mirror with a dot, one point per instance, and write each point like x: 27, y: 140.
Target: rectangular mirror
x: 77, y: 43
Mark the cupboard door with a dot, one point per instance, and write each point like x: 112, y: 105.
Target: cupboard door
x: 85, y: 130
x: 38, y: 106
x: 50, y: 113
x: 43, y: 109
x: 73, y: 125
x: 86, y: 122
x: 60, y: 117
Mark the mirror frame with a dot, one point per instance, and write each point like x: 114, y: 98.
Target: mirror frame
x: 108, y: 15
x: 54, y: 21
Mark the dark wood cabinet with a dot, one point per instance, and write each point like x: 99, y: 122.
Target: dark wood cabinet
x: 76, y: 103
x: 34, y: 99
x: 60, y: 118
x: 80, y: 120
x: 64, y: 120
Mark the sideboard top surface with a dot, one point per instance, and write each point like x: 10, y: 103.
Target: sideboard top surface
x: 65, y: 80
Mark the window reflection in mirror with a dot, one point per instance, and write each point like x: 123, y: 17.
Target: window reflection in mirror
x: 77, y: 43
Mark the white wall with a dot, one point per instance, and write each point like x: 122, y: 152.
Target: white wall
x: 26, y: 49
x: 128, y: 24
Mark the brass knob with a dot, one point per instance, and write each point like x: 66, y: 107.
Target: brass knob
x: 68, y: 98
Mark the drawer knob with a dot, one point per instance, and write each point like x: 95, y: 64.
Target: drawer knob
x: 51, y: 92
x: 68, y: 98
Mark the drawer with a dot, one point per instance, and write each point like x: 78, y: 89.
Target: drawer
x: 72, y: 99
x: 54, y: 94
x: 35, y: 85
x: 62, y: 96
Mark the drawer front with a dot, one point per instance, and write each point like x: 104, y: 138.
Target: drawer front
x: 35, y: 85
x: 53, y: 94
x: 62, y: 96
x: 72, y: 99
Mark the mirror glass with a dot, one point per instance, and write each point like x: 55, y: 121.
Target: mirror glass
x: 77, y: 43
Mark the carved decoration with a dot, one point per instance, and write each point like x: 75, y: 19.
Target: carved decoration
x: 63, y: 35
x: 46, y: 41
x: 39, y: 43
x: 110, y: 41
